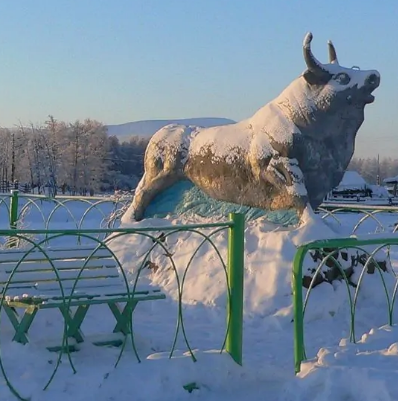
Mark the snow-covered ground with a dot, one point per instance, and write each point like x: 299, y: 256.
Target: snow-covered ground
x: 336, y: 369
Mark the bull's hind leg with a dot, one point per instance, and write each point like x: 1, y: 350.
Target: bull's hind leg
x: 163, y: 168
x: 151, y: 186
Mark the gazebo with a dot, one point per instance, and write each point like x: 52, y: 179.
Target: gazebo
x: 392, y: 183
x: 351, y: 185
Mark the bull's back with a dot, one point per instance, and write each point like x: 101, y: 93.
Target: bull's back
x: 168, y: 147
x: 219, y: 162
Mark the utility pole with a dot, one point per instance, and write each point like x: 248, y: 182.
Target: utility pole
x: 12, y: 157
x: 378, y: 170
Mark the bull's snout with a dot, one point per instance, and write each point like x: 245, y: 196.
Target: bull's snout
x: 373, y: 80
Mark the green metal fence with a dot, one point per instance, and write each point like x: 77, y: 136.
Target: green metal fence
x: 17, y: 207
x: 329, y: 247
x: 378, y: 216
x: 157, y: 241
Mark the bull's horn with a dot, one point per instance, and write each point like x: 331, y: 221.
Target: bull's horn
x: 313, y: 64
x: 332, y: 53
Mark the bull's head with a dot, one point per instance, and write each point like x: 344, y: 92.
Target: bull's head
x: 329, y: 80
x: 326, y: 104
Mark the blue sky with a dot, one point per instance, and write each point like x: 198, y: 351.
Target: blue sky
x: 125, y: 60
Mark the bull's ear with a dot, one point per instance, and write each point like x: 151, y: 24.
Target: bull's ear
x: 314, y: 79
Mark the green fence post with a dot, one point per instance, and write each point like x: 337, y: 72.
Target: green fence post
x: 236, y: 248
x: 14, y: 209
x: 297, y: 287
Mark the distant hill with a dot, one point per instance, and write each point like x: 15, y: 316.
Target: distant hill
x: 149, y: 127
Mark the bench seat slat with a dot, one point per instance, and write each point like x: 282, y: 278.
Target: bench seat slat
x: 26, y: 266
x: 47, y: 302
x: 83, y: 293
x: 79, y: 293
x: 101, y: 300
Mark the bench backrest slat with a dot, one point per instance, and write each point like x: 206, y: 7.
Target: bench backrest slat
x: 38, y: 276
x: 67, y: 285
x: 53, y: 254
x: 28, y: 265
x: 35, y: 274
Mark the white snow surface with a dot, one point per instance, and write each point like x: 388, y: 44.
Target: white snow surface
x: 365, y: 371
x: 352, y: 179
x: 336, y: 370
x: 380, y: 191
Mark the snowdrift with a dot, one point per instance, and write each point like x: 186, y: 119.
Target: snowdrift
x: 334, y: 371
x: 269, y: 252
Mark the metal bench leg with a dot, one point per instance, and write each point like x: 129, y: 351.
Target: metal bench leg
x: 123, y: 316
x: 74, y: 321
x: 21, y: 326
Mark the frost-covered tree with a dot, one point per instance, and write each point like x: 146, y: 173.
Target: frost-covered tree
x: 77, y: 157
x: 5, y: 161
x: 85, y: 156
x: 53, y: 134
x: 369, y: 168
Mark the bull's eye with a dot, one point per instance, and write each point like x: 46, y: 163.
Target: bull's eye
x: 342, y: 78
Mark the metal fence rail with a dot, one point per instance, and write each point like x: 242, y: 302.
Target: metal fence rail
x: 329, y: 247
x: 15, y: 209
x: 366, y: 214
x: 157, y: 240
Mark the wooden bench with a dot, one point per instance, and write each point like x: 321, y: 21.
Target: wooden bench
x: 35, y: 286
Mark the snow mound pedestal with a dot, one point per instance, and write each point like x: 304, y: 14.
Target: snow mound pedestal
x: 269, y: 252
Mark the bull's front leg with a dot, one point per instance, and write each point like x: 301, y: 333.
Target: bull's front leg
x: 286, y: 176
x: 285, y: 173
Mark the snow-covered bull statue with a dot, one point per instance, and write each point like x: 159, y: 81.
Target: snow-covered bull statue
x: 291, y: 152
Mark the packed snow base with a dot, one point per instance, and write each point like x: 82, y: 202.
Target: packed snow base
x: 267, y: 372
